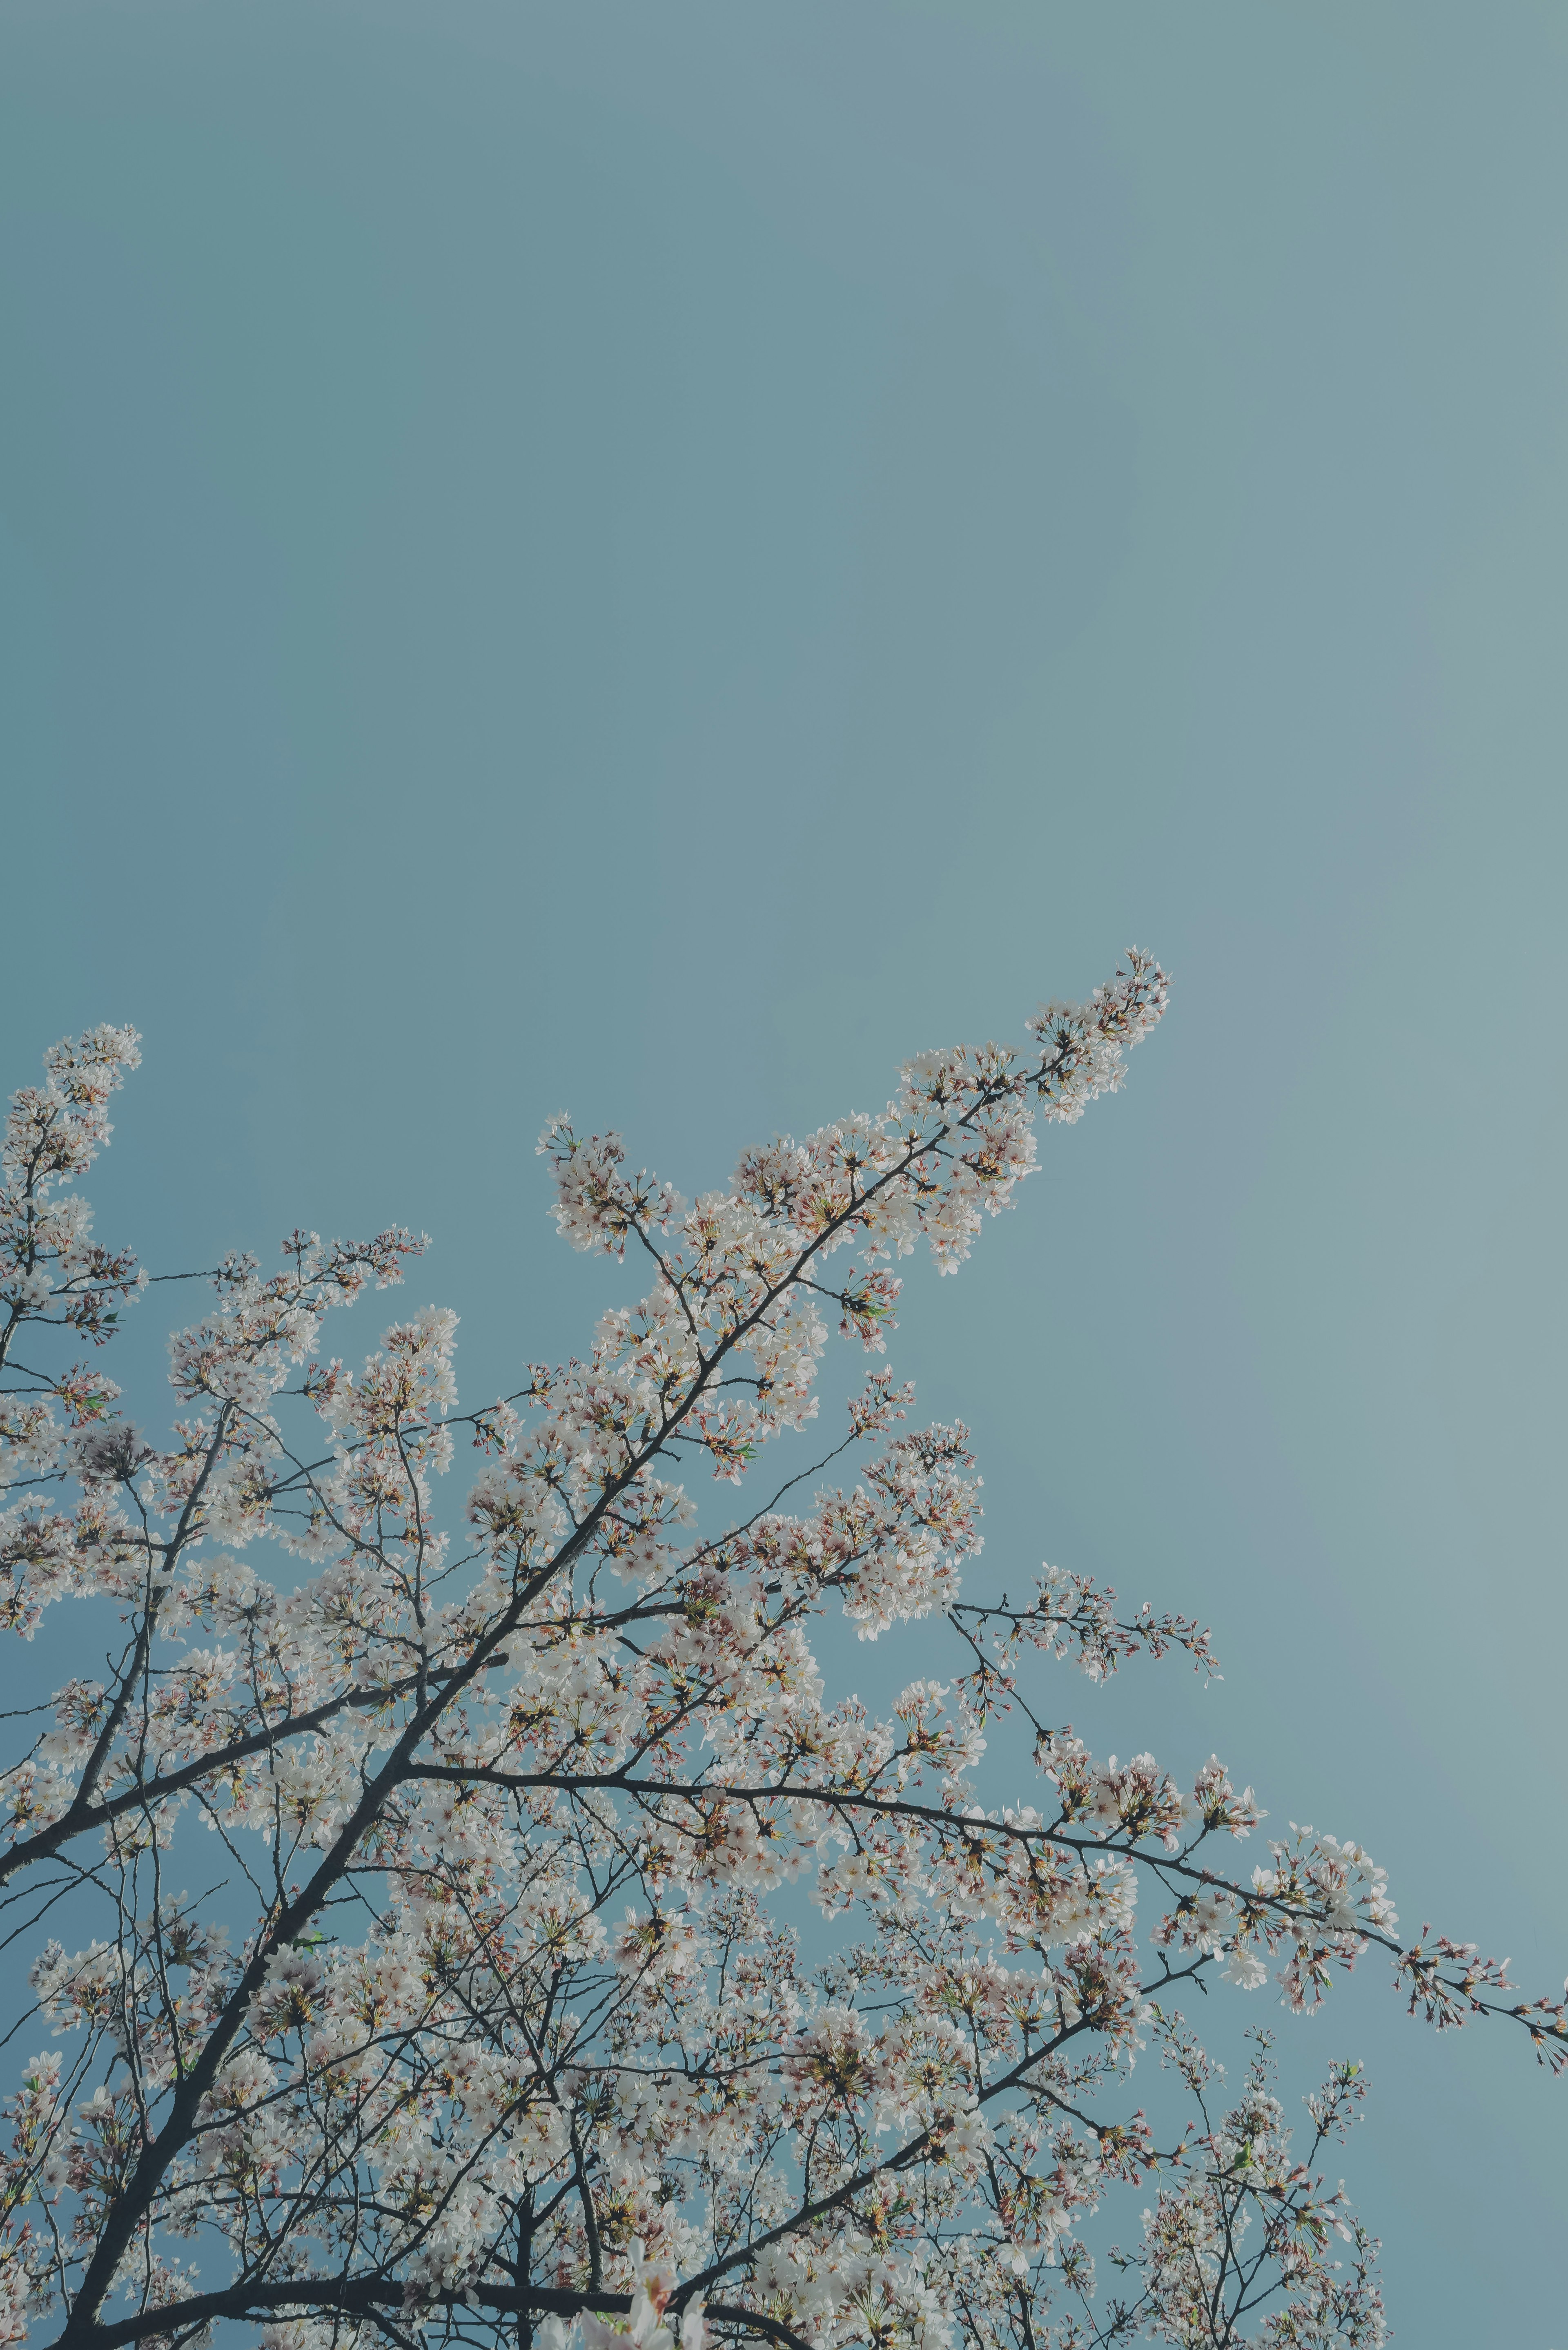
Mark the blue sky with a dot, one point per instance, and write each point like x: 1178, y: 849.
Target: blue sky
x: 662, y: 559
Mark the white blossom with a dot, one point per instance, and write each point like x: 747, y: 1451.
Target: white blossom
x: 504, y: 1802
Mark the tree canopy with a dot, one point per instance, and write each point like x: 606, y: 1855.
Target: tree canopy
x: 491, y: 2015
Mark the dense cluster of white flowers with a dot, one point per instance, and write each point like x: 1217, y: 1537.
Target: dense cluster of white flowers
x: 492, y: 2015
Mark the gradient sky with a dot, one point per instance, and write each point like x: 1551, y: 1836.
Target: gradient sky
x: 662, y: 557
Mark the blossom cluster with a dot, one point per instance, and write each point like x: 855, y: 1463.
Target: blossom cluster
x: 567, y: 1949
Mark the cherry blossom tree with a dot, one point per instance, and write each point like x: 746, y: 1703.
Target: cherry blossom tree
x: 422, y: 1940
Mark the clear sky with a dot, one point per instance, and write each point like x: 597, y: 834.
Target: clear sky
x: 659, y: 558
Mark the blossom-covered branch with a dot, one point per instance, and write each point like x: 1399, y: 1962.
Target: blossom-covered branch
x: 494, y: 2009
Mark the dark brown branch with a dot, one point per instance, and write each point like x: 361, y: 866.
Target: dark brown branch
x: 364, y: 2296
